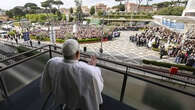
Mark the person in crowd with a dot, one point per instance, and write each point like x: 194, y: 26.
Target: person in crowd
x: 16, y: 39
x: 31, y: 43
x: 75, y: 84
x: 162, y: 51
x: 39, y: 42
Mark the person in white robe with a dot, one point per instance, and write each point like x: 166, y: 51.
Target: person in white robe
x: 75, y: 84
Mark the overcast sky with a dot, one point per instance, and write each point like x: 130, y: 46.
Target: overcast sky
x: 9, y: 4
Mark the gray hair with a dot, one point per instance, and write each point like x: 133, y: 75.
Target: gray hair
x: 70, y: 48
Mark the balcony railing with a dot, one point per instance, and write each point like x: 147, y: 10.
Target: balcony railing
x: 126, y: 72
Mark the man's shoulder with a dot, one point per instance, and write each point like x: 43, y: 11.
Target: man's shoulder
x: 56, y: 59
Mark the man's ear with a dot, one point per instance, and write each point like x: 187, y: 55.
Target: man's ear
x: 78, y: 55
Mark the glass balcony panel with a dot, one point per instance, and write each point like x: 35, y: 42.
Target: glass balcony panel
x: 146, y: 96
x: 20, y: 75
x: 112, y: 83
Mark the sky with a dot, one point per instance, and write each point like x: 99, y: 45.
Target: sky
x: 9, y: 4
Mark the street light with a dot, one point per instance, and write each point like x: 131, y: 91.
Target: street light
x: 101, y: 48
x: 51, y: 28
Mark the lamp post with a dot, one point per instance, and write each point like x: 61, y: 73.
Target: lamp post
x: 51, y: 29
x: 101, y: 48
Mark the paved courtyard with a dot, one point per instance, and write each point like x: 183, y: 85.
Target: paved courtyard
x: 123, y: 49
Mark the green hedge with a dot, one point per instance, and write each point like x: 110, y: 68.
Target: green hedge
x: 62, y: 40
x: 156, y: 49
x: 129, y: 16
x: 89, y: 40
x: 40, y: 38
x: 169, y: 65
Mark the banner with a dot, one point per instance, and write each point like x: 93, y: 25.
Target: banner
x: 52, y: 35
x: 26, y: 36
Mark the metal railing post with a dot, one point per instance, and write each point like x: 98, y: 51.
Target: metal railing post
x: 124, y: 85
x: 2, y: 85
x: 50, y: 51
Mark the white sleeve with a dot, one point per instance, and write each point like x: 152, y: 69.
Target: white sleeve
x: 98, y: 83
x: 45, y: 80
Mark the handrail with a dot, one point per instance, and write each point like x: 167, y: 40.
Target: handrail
x: 23, y: 60
x: 131, y: 65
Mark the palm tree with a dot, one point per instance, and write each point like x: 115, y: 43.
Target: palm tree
x: 48, y: 6
x: 58, y: 3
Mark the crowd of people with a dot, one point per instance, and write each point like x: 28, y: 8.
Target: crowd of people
x: 82, y: 31
x: 13, y: 38
x: 170, y: 43
x: 89, y: 32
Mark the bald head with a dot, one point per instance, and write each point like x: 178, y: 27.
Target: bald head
x: 70, y: 49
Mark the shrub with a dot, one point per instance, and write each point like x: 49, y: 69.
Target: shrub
x: 60, y: 40
x: 41, y: 38
x: 177, y: 11
x: 156, y: 49
x: 88, y: 40
x: 11, y: 33
x: 169, y: 65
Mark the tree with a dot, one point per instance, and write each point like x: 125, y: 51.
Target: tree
x: 60, y: 17
x: 47, y: 4
x: 31, y: 8
x: 54, y: 10
x: 71, y: 10
x: 58, y: 3
x: 121, y: 7
x: 64, y: 17
x: 100, y: 13
x: 9, y: 14
x: 92, y: 10
x: 18, y: 12
x: 79, y: 14
x: 177, y: 11
x: 30, y: 5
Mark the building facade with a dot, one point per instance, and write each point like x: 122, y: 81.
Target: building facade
x: 85, y: 9
x: 190, y: 9
x: 148, y: 9
x: 130, y: 7
x: 100, y: 7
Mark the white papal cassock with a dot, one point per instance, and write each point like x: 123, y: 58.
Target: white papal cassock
x: 73, y: 83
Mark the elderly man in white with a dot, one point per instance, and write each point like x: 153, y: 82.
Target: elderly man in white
x: 75, y: 84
